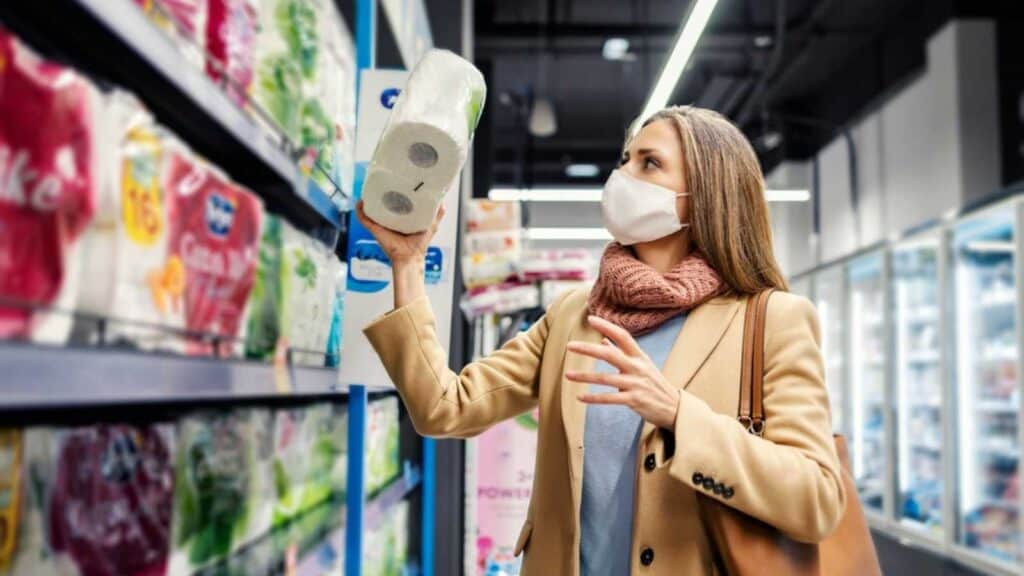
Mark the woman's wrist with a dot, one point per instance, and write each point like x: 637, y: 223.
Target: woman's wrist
x: 408, y: 280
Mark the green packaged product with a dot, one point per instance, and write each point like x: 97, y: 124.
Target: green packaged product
x: 263, y: 327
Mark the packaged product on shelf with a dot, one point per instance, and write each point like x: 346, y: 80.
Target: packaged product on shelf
x: 131, y: 280
x: 10, y: 493
x: 214, y: 473
x: 48, y: 187
x: 230, y: 40
x: 263, y: 325
x: 327, y: 118
x: 309, y: 272
x: 567, y: 264
x: 504, y: 298
x: 291, y: 463
x: 285, y: 54
x: 382, y: 455
x: 214, y: 238
x: 99, y: 501
x: 184, y: 21
x: 334, y: 339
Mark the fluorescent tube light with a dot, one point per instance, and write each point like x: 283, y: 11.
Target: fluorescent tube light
x: 990, y: 247
x: 582, y: 170
x: 686, y: 42
x: 545, y: 195
x: 567, y: 234
x: 594, y: 195
x: 787, y: 195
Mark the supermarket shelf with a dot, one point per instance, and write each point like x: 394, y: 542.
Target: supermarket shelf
x: 378, y: 507
x: 930, y: 357
x: 927, y: 446
x: 48, y: 377
x: 182, y: 97
x: 997, y: 503
x: 1012, y: 453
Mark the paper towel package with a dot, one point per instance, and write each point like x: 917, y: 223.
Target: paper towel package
x: 425, y: 143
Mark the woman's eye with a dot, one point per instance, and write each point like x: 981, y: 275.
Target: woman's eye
x: 651, y: 162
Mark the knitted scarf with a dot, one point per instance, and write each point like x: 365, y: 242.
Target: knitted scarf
x: 639, y: 298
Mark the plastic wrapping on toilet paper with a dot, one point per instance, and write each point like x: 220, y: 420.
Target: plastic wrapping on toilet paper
x: 99, y: 501
x: 334, y: 339
x: 184, y: 21
x: 213, y: 238
x: 263, y: 325
x: 230, y: 38
x: 425, y: 143
x: 48, y: 186
x: 285, y: 54
x: 214, y: 481
x: 309, y: 273
x: 131, y: 280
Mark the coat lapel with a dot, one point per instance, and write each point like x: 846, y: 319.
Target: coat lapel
x: 574, y: 411
x: 703, y: 330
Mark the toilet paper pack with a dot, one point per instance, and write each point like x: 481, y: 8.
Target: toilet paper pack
x: 263, y: 325
x: 285, y: 55
x: 425, y: 142
x: 98, y: 500
x: 131, y: 279
x: 48, y: 185
x: 213, y: 239
x: 230, y: 39
x: 309, y: 272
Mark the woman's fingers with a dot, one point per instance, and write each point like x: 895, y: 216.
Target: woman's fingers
x: 367, y: 222
x: 620, y: 381
x: 620, y: 398
x: 618, y: 335
x: 609, y: 354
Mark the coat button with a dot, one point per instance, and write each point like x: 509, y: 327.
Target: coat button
x: 647, y: 557
x: 709, y: 483
x: 728, y: 493
x: 719, y: 488
x: 650, y: 463
x: 698, y: 479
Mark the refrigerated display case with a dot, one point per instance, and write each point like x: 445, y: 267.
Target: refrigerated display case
x: 916, y: 272
x: 868, y: 371
x: 986, y: 273
x: 829, y: 298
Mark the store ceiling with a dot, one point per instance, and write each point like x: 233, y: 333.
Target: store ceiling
x: 838, y: 57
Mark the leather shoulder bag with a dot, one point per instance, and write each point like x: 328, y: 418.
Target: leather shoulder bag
x: 742, y: 545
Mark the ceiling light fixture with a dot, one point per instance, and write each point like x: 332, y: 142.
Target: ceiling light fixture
x: 615, y: 49
x: 582, y: 170
x: 594, y: 195
x: 595, y: 234
x: 685, y: 44
x: 787, y: 195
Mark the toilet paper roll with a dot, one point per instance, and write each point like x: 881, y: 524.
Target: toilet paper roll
x: 425, y: 143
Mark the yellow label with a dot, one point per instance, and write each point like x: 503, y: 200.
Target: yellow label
x: 142, y: 207
x: 10, y: 493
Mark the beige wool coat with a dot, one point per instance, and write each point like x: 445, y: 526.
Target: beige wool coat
x: 789, y: 478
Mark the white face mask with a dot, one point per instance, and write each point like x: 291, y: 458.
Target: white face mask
x: 636, y: 211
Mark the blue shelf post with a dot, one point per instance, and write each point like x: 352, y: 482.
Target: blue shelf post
x: 366, y: 22
x: 428, y: 510
x: 355, y: 496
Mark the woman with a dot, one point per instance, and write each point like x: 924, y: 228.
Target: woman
x: 637, y: 380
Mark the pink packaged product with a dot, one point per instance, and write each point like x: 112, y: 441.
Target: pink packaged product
x: 214, y: 238
x: 569, y: 264
x: 230, y: 45
x: 47, y: 188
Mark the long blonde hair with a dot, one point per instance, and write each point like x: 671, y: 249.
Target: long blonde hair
x: 729, y: 218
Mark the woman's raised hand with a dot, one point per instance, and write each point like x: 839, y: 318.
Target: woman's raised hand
x: 400, y: 248
x: 641, y: 385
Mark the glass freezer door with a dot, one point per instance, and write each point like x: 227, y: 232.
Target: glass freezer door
x: 919, y: 402
x: 868, y: 370
x: 830, y: 294
x: 988, y: 385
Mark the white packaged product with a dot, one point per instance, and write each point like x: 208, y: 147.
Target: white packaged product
x: 425, y: 143
x: 309, y: 272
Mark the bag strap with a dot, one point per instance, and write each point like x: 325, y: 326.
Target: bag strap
x: 751, y: 408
